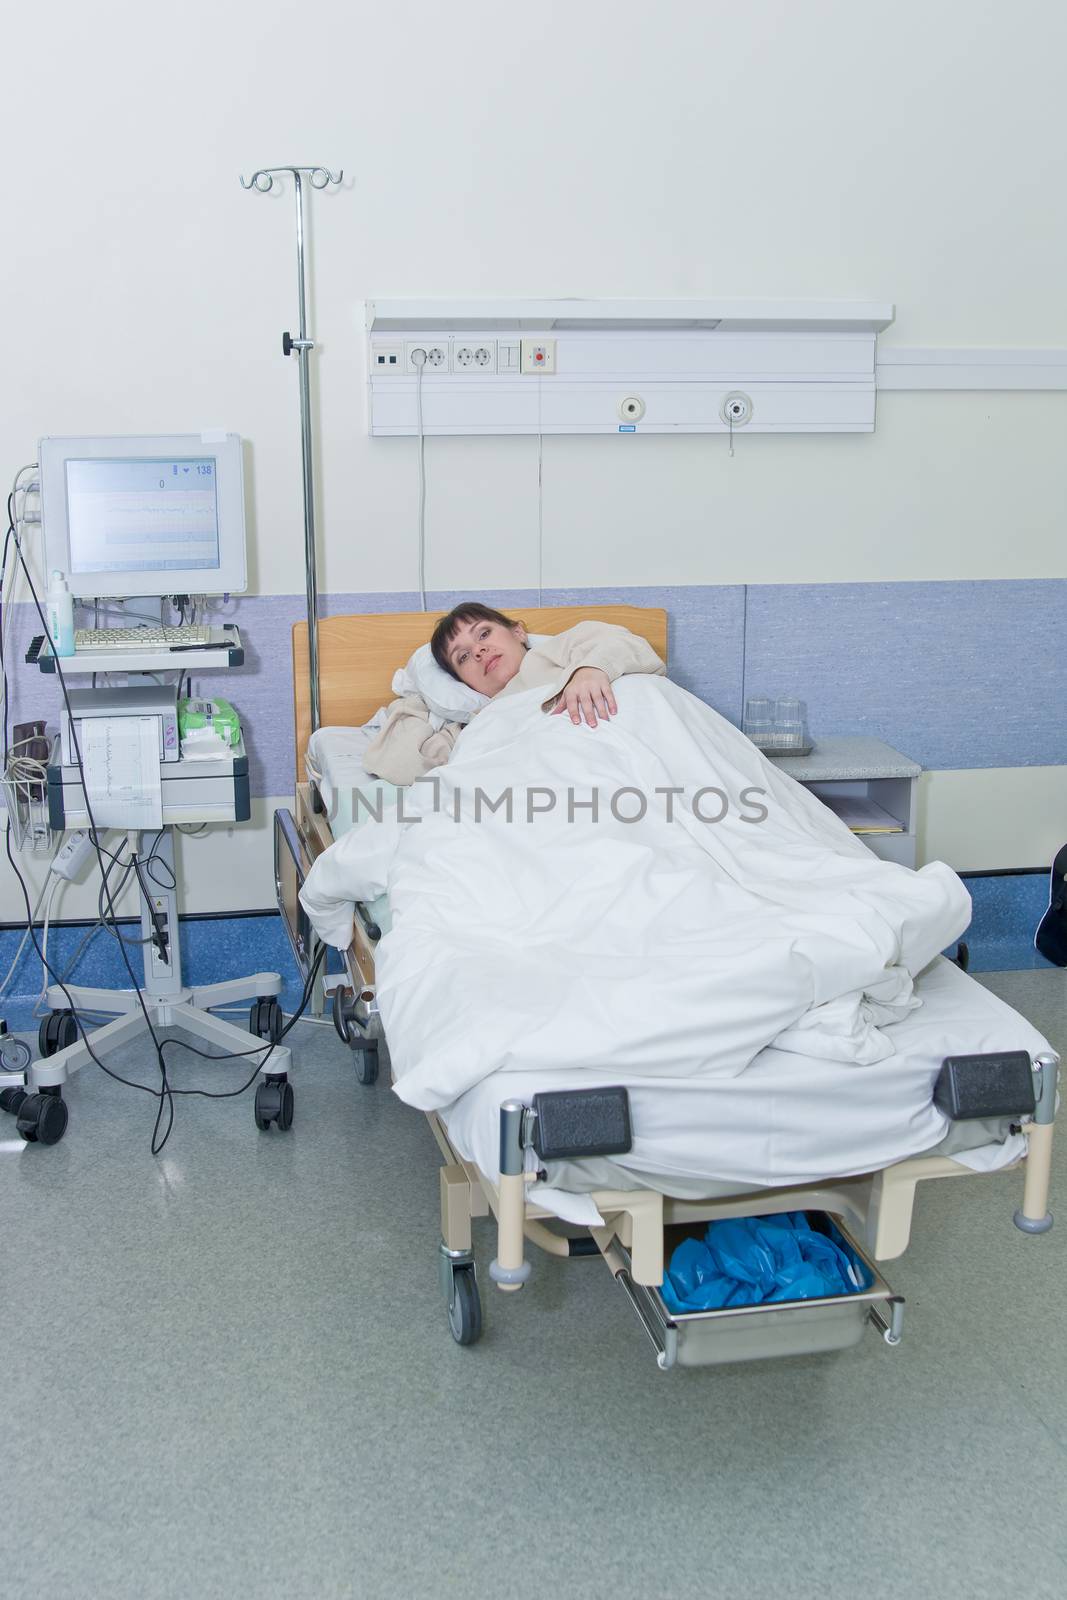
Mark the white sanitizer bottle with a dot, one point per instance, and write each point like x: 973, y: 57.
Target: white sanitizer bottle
x: 59, y: 608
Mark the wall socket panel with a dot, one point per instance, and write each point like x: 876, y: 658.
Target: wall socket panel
x: 437, y: 352
x: 462, y: 354
x: 603, y: 379
x: 474, y: 355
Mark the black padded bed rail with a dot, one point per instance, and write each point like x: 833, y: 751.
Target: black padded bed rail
x: 996, y: 1084
x: 569, y: 1123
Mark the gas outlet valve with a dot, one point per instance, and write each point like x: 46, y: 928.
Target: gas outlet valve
x: 736, y: 409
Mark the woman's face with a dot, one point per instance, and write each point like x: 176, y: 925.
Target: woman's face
x: 487, y: 655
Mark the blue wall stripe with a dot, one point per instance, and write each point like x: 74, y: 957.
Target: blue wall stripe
x: 705, y: 634
x: 1000, y: 938
x: 955, y: 674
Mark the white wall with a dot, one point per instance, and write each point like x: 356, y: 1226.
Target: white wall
x: 905, y: 150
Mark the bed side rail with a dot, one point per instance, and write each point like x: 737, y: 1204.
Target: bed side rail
x: 1008, y: 1084
x: 292, y: 863
x: 563, y: 1125
x: 996, y: 1084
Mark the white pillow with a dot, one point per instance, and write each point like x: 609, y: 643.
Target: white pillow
x: 445, y: 696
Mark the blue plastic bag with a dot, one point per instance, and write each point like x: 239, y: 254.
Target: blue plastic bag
x: 747, y: 1261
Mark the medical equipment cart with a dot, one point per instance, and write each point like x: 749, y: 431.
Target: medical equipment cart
x: 193, y: 791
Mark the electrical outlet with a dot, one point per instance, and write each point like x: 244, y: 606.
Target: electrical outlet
x: 386, y: 360
x: 538, y: 355
x: 436, y: 355
x: 476, y: 355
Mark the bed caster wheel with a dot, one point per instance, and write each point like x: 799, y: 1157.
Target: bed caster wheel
x: 265, y: 1019
x: 57, y: 1031
x: 465, y: 1306
x: 366, y: 1064
x: 274, y: 1103
x: 42, y: 1118
x: 11, y: 1099
x: 364, y: 1048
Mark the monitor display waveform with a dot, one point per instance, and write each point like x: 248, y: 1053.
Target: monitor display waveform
x: 142, y: 515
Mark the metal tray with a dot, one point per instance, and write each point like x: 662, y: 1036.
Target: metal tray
x: 757, y: 1333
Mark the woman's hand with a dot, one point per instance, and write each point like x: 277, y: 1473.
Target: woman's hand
x: 587, y: 694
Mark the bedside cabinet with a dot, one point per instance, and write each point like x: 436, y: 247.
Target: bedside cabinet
x: 852, y: 768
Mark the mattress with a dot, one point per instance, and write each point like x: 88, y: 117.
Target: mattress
x: 787, y: 1119
x: 334, y: 763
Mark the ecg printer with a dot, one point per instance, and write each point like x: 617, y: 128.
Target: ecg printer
x: 129, y: 745
x: 148, y: 795
x: 158, y: 701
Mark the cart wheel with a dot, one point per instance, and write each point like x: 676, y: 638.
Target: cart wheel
x: 274, y: 1103
x: 42, y: 1118
x: 15, y: 1054
x: 57, y: 1031
x: 285, y: 1111
x: 265, y: 1019
x: 366, y: 1064
x: 465, y: 1311
x: 266, y: 1106
x: 11, y: 1099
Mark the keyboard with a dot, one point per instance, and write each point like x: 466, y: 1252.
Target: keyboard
x: 144, y: 638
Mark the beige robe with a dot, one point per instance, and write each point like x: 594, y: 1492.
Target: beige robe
x: 409, y: 746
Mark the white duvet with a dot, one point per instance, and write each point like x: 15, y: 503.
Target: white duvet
x: 663, y: 946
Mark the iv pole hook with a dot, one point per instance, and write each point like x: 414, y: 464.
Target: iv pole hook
x: 263, y: 182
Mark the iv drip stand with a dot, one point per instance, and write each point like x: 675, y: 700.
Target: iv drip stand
x: 318, y: 178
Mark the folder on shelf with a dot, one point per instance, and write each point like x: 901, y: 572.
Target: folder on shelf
x: 861, y: 814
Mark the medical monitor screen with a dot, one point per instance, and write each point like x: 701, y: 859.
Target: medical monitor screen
x: 140, y: 515
x: 145, y: 514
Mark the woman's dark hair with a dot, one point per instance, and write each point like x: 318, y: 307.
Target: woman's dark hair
x: 447, y: 628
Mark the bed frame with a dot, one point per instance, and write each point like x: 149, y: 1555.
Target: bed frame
x: 357, y: 658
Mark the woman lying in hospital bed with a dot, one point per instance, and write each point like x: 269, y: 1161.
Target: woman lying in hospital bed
x: 492, y: 655
x: 599, y: 879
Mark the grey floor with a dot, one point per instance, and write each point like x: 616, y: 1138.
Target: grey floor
x: 229, y: 1374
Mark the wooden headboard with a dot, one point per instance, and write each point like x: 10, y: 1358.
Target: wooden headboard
x: 358, y: 656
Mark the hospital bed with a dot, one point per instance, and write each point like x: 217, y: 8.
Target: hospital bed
x: 500, y: 1137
